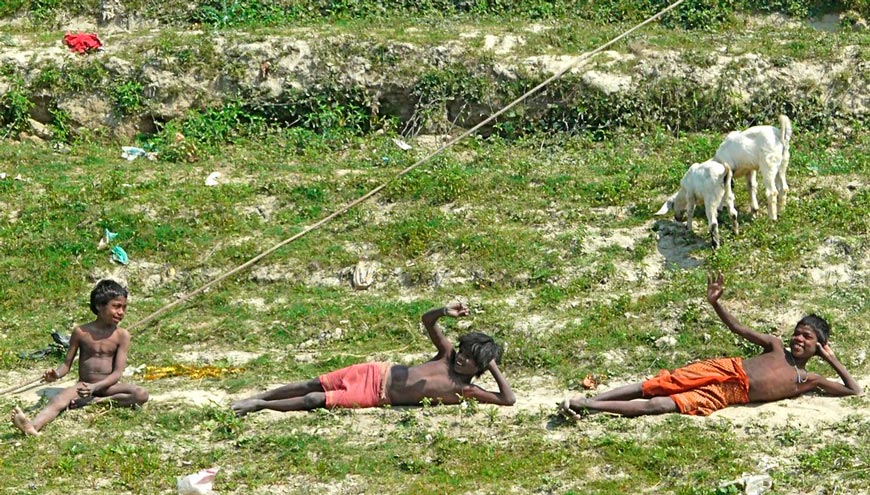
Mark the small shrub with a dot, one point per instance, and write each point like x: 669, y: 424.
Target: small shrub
x: 15, y: 107
x: 129, y: 97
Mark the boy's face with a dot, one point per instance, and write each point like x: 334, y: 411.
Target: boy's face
x: 465, y: 365
x: 113, y: 311
x: 804, y: 342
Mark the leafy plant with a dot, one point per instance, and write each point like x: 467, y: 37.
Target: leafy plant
x: 15, y: 107
x: 129, y: 97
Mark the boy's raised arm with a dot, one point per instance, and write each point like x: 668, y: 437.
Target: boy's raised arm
x: 505, y: 395
x: 430, y: 321
x: 715, y: 287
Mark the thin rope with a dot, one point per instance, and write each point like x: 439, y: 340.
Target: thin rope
x: 586, y: 56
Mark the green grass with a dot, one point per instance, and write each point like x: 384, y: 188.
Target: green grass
x: 504, y: 221
x: 549, y: 235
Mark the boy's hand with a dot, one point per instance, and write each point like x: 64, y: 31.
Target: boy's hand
x: 84, y: 390
x: 715, y: 286
x: 50, y: 376
x: 824, y: 351
x: 456, y: 309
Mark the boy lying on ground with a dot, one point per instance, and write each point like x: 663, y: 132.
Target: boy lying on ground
x: 446, y: 378
x: 706, y: 386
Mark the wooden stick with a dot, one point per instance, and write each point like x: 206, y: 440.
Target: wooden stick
x: 29, y: 385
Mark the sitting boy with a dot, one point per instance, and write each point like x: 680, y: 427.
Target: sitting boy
x: 104, y: 347
x: 706, y: 386
x: 446, y: 378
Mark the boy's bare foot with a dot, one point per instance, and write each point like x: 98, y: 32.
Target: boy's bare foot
x: 22, y: 423
x: 244, y: 407
x: 570, y: 408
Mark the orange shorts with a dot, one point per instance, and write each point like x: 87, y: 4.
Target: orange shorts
x: 360, y: 385
x: 700, y: 388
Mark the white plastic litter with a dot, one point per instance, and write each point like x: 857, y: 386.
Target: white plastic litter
x: 107, y: 239
x: 198, y: 483
x: 134, y: 370
x: 131, y: 153
x: 2, y: 175
x: 401, y: 144
x: 212, y: 179
x: 752, y: 484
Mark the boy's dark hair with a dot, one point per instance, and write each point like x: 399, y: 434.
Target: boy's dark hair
x: 482, y: 348
x: 818, y: 324
x: 105, y: 291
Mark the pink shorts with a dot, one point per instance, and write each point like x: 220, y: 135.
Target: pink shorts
x: 360, y: 385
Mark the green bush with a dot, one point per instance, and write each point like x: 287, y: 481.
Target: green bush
x: 15, y: 107
x: 204, y: 132
x: 128, y: 97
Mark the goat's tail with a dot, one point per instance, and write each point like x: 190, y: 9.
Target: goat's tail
x: 784, y: 130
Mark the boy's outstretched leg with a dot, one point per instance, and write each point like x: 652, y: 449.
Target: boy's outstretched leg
x: 296, y: 396
x: 314, y: 400
x: 56, y: 405
x: 621, y: 400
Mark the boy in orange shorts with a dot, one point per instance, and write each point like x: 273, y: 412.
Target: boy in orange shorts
x: 706, y: 386
x: 446, y: 378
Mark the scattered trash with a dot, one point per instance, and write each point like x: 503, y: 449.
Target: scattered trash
x: 108, y: 237
x: 82, y: 42
x: 22, y: 178
x: 401, y: 144
x: 364, y: 274
x: 212, y: 179
x: 58, y: 347
x: 2, y: 175
x: 119, y: 255
x: 193, y: 372
x: 198, y: 483
x: 589, y: 382
x: 131, y: 153
x: 134, y: 370
x: 666, y: 342
x: 60, y: 340
x: 751, y: 484
x: 59, y: 147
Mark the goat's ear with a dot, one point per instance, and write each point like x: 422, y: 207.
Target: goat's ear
x: 668, y: 206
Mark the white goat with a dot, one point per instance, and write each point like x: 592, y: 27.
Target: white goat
x: 763, y: 148
x: 708, y: 183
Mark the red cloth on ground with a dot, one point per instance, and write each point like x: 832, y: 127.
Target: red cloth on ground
x: 700, y: 388
x: 360, y: 385
x: 82, y: 42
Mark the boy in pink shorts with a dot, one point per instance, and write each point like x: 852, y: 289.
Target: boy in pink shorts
x: 446, y: 378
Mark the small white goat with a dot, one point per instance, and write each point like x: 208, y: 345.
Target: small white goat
x: 708, y: 183
x: 763, y: 148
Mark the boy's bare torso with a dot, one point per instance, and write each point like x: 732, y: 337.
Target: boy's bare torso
x: 433, y: 379
x: 97, y: 350
x: 773, y: 377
